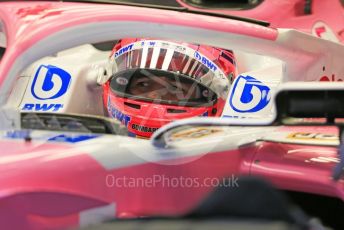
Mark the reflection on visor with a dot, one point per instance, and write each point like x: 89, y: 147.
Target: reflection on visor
x: 162, y: 86
x: 172, y: 59
x: 162, y: 59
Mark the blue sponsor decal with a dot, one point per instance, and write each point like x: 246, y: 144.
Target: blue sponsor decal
x: 148, y: 43
x: 17, y: 134
x: 72, y: 138
x: 205, y: 61
x: 50, y: 82
x: 115, y: 113
x: 249, y: 95
x: 42, y: 107
x: 124, y: 50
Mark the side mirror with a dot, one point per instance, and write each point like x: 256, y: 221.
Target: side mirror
x: 326, y: 105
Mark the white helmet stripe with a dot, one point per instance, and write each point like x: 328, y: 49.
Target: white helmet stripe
x: 144, y: 57
x: 168, y: 58
x: 186, y: 67
x: 193, y: 67
x: 155, y: 56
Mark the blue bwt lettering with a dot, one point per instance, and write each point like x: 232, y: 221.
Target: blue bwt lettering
x: 205, y: 61
x: 124, y: 50
x: 42, y: 107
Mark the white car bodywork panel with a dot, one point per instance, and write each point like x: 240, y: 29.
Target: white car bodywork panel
x: 82, y: 94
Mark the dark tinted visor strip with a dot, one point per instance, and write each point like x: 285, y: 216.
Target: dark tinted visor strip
x: 149, y: 57
x: 161, y: 58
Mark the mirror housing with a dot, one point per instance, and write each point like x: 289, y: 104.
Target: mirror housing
x: 295, y: 104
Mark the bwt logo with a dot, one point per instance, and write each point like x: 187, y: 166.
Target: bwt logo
x: 50, y: 82
x: 115, y: 113
x: 249, y: 95
x: 42, y: 107
x: 124, y: 50
x: 205, y: 61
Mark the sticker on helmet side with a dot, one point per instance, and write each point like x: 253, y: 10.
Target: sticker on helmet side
x: 115, y: 113
x: 124, y: 50
x: 122, y: 81
x: 205, y: 61
x: 143, y: 128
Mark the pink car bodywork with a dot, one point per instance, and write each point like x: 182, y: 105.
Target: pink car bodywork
x: 56, y: 185
x: 325, y: 20
x: 50, y: 185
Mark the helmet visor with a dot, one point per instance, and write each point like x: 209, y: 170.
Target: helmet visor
x: 162, y: 62
x: 161, y: 86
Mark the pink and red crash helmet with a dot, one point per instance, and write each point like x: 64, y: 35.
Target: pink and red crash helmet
x: 154, y: 82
